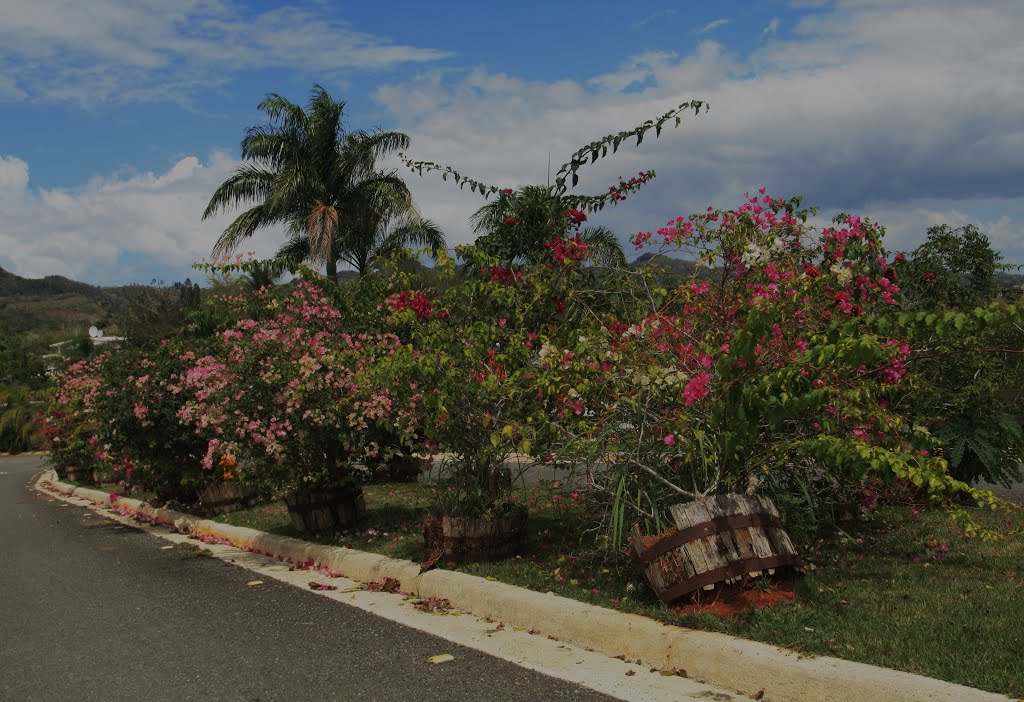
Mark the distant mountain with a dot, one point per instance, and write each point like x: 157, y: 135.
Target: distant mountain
x: 15, y: 285
x: 674, y: 268
x: 56, y: 306
x: 53, y: 303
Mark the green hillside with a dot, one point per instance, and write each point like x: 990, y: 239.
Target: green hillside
x: 54, y: 304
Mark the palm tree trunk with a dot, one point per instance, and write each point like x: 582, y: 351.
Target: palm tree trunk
x: 332, y: 267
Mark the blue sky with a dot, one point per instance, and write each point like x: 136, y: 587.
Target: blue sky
x: 121, y: 116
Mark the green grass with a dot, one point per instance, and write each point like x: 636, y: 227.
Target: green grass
x: 903, y: 591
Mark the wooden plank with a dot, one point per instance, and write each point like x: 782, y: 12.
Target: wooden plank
x: 758, y: 538
x: 685, y: 515
x: 742, y: 504
x: 781, y: 543
x: 715, y: 551
x: 741, y: 537
x: 726, y: 508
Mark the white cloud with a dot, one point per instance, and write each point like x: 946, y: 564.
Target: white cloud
x: 712, y: 26
x: 653, y: 17
x: 906, y: 115
x: 771, y: 28
x: 127, y: 228
x: 13, y: 175
x: 908, y: 222
x: 151, y: 50
x: 911, y: 111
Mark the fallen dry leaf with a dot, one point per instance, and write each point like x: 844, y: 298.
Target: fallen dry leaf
x: 389, y: 585
x: 442, y: 658
x: 433, y: 604
x: 314, y: 585
x: 254, y: 582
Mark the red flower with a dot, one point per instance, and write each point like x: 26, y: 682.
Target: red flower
x: 577, y: 216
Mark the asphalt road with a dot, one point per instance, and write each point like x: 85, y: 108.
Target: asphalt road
x: 92, y: 610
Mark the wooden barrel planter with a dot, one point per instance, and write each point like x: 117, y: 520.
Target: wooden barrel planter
x: 716, y: 540
x: 467, y: 539
x: 224, y: 497
x: 78, y: 474
x: 327, y: 509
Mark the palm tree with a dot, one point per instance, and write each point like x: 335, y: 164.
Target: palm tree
x: 304, y: 171
x: 262, y: 274
x: 374, y: 231
x: 516, y: 225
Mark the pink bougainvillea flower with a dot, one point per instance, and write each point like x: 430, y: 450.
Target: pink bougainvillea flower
x: 670, y: 439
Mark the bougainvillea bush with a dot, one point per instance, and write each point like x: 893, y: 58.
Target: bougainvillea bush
x: 70, y: 424
x: 144, y: 443
x: 783, y: 365
x: 765, y: 371
x: 472, y: 359
x: 478, y: 337
x: 290, y: 401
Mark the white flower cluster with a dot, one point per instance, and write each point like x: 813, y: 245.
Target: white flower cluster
x: 756, y: 253
x: 843, y: 274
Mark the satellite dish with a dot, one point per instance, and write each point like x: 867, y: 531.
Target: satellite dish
x: 99, y: 333
x: 94, y: 332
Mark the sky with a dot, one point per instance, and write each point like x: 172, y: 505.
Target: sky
x: 121, y: 117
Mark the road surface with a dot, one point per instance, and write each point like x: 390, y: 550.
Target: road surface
x: 93, y: 610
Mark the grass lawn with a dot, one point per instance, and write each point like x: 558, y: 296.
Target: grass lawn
x: 903, y: 591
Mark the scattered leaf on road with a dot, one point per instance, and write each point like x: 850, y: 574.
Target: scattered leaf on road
x: 166, y: 548
x: 443, y: 658
x: 254, y: 582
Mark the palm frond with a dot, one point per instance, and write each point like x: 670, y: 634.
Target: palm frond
x: 294, y: 251
x: 604, y: 246
x: 244, y: 226
x: 250, y: 182
x: 321, y: 228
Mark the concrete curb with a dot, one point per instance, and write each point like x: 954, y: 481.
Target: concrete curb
x: 724, y: 660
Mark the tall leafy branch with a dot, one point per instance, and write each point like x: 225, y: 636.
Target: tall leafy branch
x: 567, y: 175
